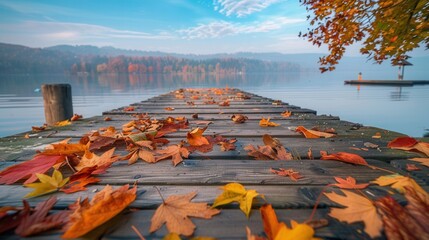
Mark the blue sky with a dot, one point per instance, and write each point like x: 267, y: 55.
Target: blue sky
x: 180, y: 26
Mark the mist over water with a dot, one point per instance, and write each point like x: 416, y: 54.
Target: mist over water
x: 401, y: 109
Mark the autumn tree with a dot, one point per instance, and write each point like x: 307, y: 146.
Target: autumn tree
x: 388, y: 29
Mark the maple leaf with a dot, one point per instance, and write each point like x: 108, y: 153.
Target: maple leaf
x: 398, y: 182
x: 348, y: 183
x: 265, y: 122
x: 344, y: 157
x: 409, y: 144
x: 175, y: 212
x: 273, y: 149
x: 175, y: 152
x: 357, y: 209
x: 39, y: 221
x: 313, y: 133
x: 196, y: 138
x: 142, y: 150
x: 91, y: 159
x: 228, y: 145
x: 47, y: 184
x: 29, y: 169
x: 80, y: 179
x: 293, y: 175
x: 104, y: 205
x: 235, y: 192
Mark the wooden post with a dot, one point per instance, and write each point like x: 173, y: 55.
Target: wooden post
x: 57, y: 99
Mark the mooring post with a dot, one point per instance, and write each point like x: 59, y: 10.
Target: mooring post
x: 57, y: 99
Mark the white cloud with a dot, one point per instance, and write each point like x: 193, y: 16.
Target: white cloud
x: 241, y: 8
x: 223, y: 28
x: 51, y: 31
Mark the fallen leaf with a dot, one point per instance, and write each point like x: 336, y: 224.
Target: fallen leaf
x: 412, y: 167
x: 293, y: 175
x: 129, y: 109
x: 313, y: 133
x: 39, y: 221
x: 91, y: 159
x: 29, y: 169
x: 423, y: 161
x: 377, y: 135
x: 398, y: 182
x: 104, y: 205
x: 276, y: 230
x: 235, y: 192
x: 107, y: 119
x: 239, y: 118
x: 409, y: 144
x: 75, y: 117
x: 196, y: 138
x: 286, y: 114
x: 62, y: 123
x: 169, y: 108
x: 47, y: 184
x: 357, y: 209
x: 370, y: 145
x: 418, y: 205
x: 228, y: 145
x: 265, y: 122
x: 39, y: 129
x: 10, y: 220
x: 348, y: 183
x: 175, y: 212
x: 65, y: 148
x: 344, y: 157
x: 175, y: 152
x: 398, y: 221
x: 224, y: 103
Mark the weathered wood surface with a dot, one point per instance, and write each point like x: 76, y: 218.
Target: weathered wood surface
x: 206, y: 172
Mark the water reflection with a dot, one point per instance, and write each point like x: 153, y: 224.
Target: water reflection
x: 399, y: 95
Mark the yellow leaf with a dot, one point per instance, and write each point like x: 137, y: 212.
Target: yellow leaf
x: 235, y: 192
x: 357, y: 209
x: 47, y: 184
x: 62, y: 123
x: 299, y: 231
x: 398, y: 182
x: 104, y: 205
x: 171, y: 236
x: 265, y: 122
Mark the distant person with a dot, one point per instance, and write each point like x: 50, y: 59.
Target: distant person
x: 360, y: 76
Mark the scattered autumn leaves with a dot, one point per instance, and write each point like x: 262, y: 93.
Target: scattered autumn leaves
x: 144, y: 139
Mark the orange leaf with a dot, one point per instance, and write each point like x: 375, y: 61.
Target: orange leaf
x: 105, y: 205
x: 349, y: 183
x: 286, y: 114
x: 65, y: 148
x: 265, y: 122
x: 75, y: 117
x: 293, y: 175
x: 175, y: 212
x: 344, y: 157
x: 312, y: 133
x: 269, y: 219
x: 91, y: 159
x: 196, y: 138
x: 357, y: 209
x: 409, y: 144
x: 169, y: 108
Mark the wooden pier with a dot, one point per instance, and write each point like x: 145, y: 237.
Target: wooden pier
x: 206, y: 172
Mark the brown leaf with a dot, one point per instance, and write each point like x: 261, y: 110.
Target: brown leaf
x: 239, y: 118
x: 196, y: 138
x: 265, y: 122
x: 91, y: 159
x: 313, y: 133
x: 175, y: 212
x: 175, y: 152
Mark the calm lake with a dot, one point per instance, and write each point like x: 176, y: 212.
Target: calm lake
x: 402, y: 109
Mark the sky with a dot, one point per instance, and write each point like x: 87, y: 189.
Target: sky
x: 178, y: 26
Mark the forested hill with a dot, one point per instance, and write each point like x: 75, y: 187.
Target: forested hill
x: 90, y: 59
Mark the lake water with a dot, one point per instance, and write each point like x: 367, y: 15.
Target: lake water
x: 402, y: 109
